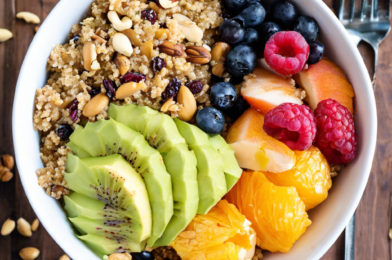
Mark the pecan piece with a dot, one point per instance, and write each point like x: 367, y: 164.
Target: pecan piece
x: 172, y: 49
x: 196, y: 54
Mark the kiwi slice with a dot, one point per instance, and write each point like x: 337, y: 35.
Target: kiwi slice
x: 112, y: 181
x: 161, y: 133
x: 107, y: 137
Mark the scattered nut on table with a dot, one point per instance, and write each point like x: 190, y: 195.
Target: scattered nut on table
x: 8, y: 227
x: 7, y: 176
x: 5, y: 35
x: 24, y: 228
x: 35, y: 225
x: 64, y: 257
x: 28, y: 17
x: 29, y: 253
x: 8, y: 161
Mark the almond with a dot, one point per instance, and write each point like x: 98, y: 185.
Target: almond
x: 146, y: 49
x: 132, y: 36
x: 123, y: 64
x: 188, y: 101
x: 24, y: 228
x: 96, y: 105
x: 64, y: 257
x: 8, y: 227
x: 8, y: 161
x: 128, y: 89
x: 35, y: 225
x: 29, y: 253
x: 199, y: 55
x: 172, y: 49
x: 7, y: 176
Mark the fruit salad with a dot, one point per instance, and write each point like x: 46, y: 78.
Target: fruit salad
x: 193, y: 129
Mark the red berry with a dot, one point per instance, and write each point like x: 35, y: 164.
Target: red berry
x: 286, y: 52
x: 292, y: 124
x: 335, y: 137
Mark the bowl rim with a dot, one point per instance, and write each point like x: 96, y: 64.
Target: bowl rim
x: 350, y: 209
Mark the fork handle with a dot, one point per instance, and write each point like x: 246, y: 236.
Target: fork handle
x: 375, y: 48
x: 349, y: 239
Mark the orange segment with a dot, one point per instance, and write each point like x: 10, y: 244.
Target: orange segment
x: 277, y: 213
x: 267, y: 90
x: 310, y: 177
x: 256, y: 150
x: 221, y: 234
x: 325, y: 80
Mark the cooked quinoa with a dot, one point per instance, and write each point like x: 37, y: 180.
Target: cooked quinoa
x: 69, y: 80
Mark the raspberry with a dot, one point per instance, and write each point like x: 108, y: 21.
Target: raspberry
x: 292, y: 124
x: 335, y: 137
x: 286, y: 52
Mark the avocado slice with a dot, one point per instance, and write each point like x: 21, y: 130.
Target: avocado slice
x: 107, y: 137
x: 161, y: 133
x: 114, y: 182
x: 230, y: 165
x: 210, y: 176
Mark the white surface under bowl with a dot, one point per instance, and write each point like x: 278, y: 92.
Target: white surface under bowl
x: 329, y: 219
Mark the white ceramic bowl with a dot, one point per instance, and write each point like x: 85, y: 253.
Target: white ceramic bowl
x: 329, y: 219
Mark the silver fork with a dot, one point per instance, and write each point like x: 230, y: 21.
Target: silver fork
x: 370, y: 24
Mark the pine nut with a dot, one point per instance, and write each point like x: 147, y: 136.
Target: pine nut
x: 29, y: 253
x: 122, y: 44
x: 5, y: 35
x: 28, y: 17
x: 24, y: 227
x: 128, y: 89
x: 96, y: 105
x: 8, y: 227
x: 64, y: 257
x: 119, y: 25
x: 35, y: 225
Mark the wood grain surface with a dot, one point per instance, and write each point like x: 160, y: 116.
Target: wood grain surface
x: 372, y: 221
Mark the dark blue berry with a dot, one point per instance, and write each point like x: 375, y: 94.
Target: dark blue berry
x: 94, y: 91
x: 233, y: 6
x: 195, y: 86
x: 231, y: 31
x: 223, y: 95
x: 64, y: 132
x: 316, y: 52
x: 145, y: 255
x: 171, y: 89
x: 149, y: 15
x: 251, y: 37
x: 73, y: 109
x: 210, y: 120
x: 307, y: 27
x: 158, y: 64
x: 241, y: 60
x: 76, y: 38
x: 110, y: 88
x: 237, y: 109
x: 284, y: 13
x: 267, y: 29
x: 252, y: 15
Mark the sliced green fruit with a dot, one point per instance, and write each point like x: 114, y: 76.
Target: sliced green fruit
x: 110, y: 244
x: 210, y: 176
x: 113, y: 181
x: 230, y: 165
x: 107, y: 137
x: 161, y: 132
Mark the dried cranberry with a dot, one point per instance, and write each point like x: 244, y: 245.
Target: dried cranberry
x: 195, y: 86
x: 64, y: 132
x: 133, y: 76
x: 171, y: 89
x: 158, y: 64
x: 94, y: 91
x: 110, y: 89
x: 73, y: 109
x: 149, y: 15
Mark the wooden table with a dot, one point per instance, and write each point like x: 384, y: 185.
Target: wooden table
x: 372, y: 223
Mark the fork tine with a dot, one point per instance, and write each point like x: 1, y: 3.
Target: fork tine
x: 341, y: 10
x: 363, y: 9
x: 374, y: 13
x: 352, y: 9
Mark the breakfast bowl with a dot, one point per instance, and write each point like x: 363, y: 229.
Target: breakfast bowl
x: 328, y: 219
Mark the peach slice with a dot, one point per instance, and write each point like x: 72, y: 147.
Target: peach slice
x: 254, y: 149
x: 325, y: 80
x: 268, y: 90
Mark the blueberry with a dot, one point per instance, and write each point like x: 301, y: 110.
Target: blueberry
x: 251, y: 37
x: 231, y: 31
x: 145, y: 255
x: 267, y: 29
x: 307, y: 27
x: 210, y: 120
x: 64, y: 132
x: 238, y: 109
x: 232, y: 6
x: 223, y: 95
x: 252, y: 15
x: 284, y: 13
x: 316, y: 52
x: 76, y: 38
x: 241, y: 60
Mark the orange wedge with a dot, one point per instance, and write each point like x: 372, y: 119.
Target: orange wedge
x: 254, y: 149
